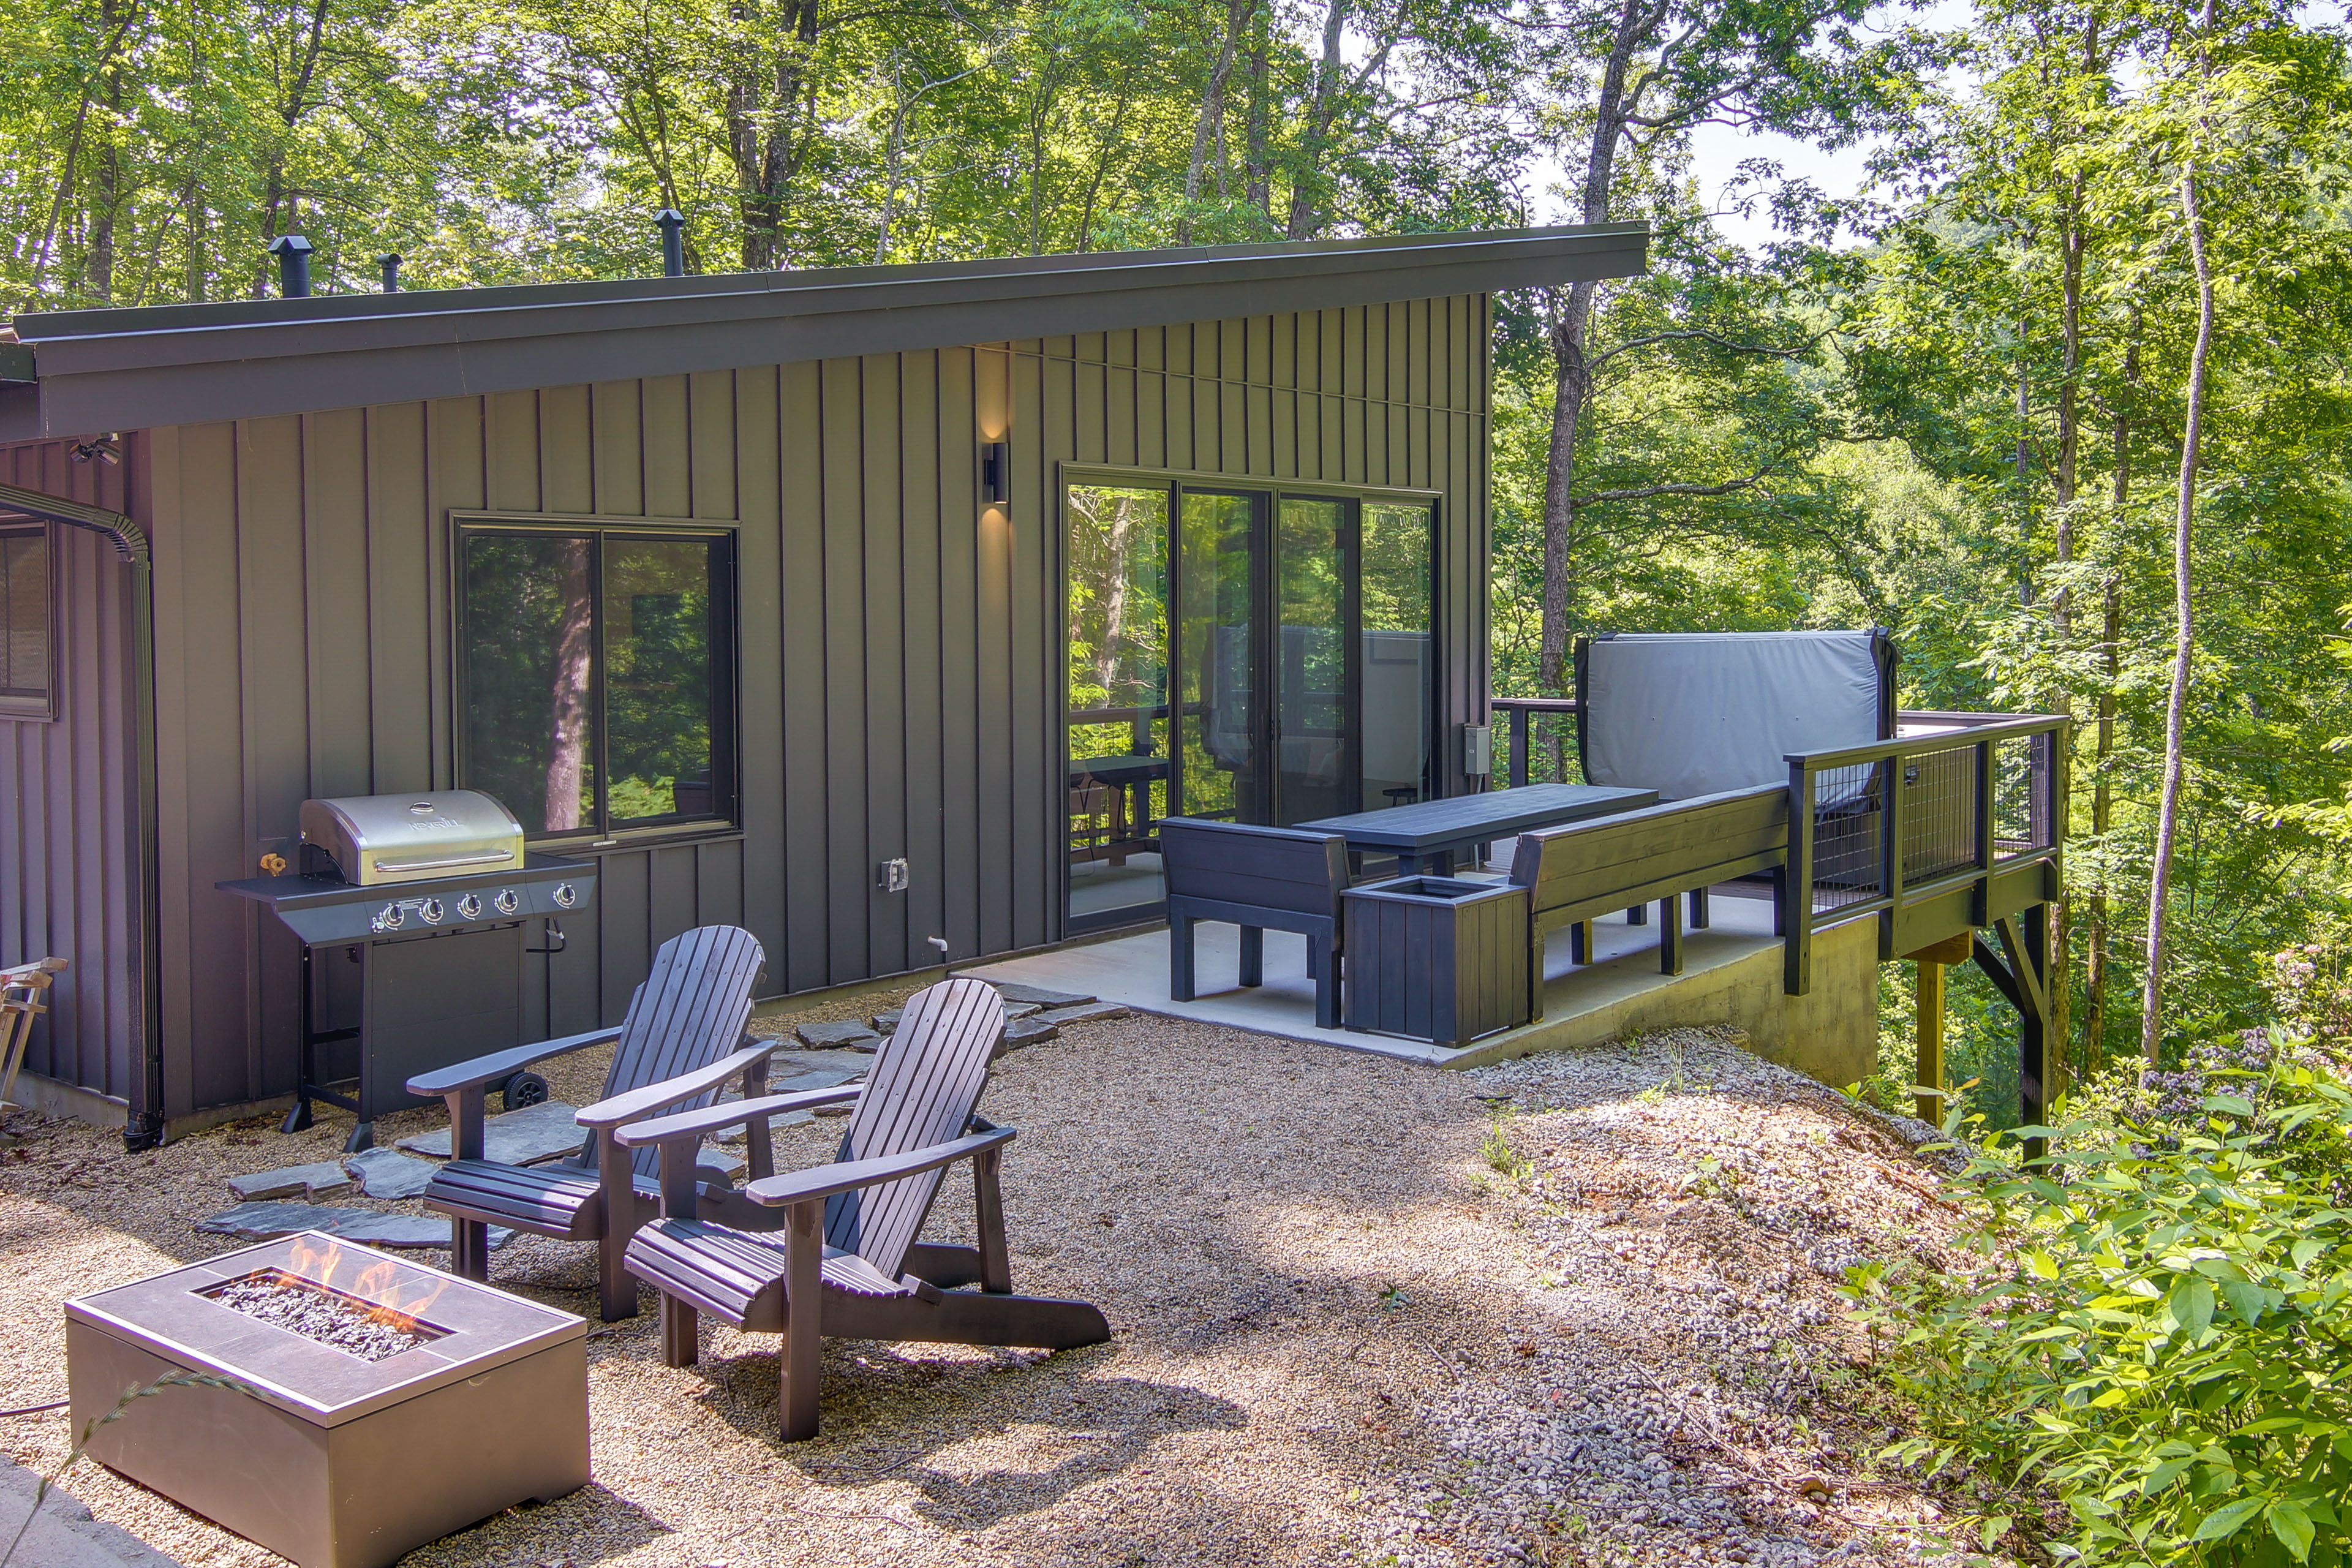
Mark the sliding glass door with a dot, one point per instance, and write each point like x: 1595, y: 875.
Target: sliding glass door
x: 1247, y: 655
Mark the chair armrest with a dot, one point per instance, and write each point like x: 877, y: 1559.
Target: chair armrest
x: 637, y: 1103
x: 848, y: 1176
x: 734, y: 1113
x: 504, y: 1064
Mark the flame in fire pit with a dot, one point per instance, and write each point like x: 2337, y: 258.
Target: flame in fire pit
x: 376, y: 1286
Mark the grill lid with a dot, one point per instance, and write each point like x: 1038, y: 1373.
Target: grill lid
x: 379, y: 838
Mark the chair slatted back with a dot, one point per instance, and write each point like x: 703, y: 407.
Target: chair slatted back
x: 926, y: 1082
x: 689, y: 1012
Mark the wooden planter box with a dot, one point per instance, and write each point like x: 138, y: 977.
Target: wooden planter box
x: 1435, y: 958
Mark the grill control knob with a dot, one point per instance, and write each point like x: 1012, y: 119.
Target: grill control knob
x: 391, y: 917
x: 431, y: 910
x: 469, y: 908
x: 566, y: 895
x: 506, y: 902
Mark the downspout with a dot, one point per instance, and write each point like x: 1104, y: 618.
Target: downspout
x: 144, y: 1128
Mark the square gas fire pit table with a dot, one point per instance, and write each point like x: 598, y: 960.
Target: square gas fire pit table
x: 390, y: 1403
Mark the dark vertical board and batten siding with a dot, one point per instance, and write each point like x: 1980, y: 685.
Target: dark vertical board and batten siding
x: 901, y: 644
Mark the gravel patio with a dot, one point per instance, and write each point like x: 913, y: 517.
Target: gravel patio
x: 1575, y: 1309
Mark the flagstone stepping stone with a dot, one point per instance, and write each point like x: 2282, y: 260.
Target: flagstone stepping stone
x: 856, y: 1063
x: 839, y: 1033
x: 1090, y: 1010
x: 389, y: 1173
x: 267, y: 1221
x: 775, y: 1123
x: 525, y: 1137
x: 1013, y: 991
x: 886, y: 1021
x: 1026, y: 1032
x: 322, y: 1179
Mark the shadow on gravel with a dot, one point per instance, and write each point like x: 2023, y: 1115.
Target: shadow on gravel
x: 885, y: 1415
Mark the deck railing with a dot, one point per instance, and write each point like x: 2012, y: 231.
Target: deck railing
x: 1953, y: 824
x: 1945, y: 828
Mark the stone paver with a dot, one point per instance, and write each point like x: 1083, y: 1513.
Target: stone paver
x: 322, y: 1179
x: 1013, y: 991
x: 856, y: 1063
x: 64, y: 1535
x: 267, y: 1221
x: 525, y: 1137
x: 1058, y: 1015
x: 838, y: 1034
x: 1025, y: 1032
x: 389, y: 1173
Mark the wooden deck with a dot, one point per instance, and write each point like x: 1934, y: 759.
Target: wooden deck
x: 1731, y: 974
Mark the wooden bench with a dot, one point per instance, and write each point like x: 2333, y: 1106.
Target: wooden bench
x: 1576, y: 873
x: 1256, y: 877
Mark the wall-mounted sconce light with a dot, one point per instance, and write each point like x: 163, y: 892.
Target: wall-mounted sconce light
x: 100, y: 448
x: 996, y: 471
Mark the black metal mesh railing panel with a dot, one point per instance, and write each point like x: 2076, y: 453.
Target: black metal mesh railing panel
x: 2021, y: 814
x: 1846, y: 827
x: 1940, y: 814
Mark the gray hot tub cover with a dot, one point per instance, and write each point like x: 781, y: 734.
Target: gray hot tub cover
x: 1695, y: 713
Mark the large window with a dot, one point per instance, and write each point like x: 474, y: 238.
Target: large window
x: 1253, y: 654
x: 597, y: 677
x: 27, y: 653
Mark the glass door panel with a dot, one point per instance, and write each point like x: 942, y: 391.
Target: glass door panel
x: 1218, y: 753
x: 1312, y: 754
x: 1399, y: 667
x: 1119, y: 771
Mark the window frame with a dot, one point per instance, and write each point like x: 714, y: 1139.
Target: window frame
x: 727, y: 642
x: 15, y: 707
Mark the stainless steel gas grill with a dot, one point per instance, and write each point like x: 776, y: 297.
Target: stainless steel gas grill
x: 427, y: 897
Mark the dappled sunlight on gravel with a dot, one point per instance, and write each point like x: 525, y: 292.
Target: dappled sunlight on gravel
x: 1575, y: 1309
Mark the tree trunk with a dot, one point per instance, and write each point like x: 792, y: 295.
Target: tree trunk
x: 2094, y: 1025
x: 1261, y: 184
x: 769, y: 106
x: 2168, y: 818
x: 1209, y: 127
x: 1306, y: 211
x: 567, y: 741
x: 1569, y: 331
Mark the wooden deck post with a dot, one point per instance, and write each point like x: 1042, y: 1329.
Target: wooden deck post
x: 1929, y: 1032
x: 1929, y: 1073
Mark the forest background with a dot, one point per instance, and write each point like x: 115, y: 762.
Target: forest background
x: 1955, y: 403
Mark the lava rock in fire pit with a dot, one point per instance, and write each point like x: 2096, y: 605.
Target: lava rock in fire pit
x: 267, y: 1222
x: 320, y: 1315
x: 525, y: 1137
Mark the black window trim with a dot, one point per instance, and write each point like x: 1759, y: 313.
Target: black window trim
x: 717, y: 826
x: 16, y: 707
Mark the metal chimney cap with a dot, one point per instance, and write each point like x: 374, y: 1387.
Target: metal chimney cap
x: 293, y: 244
x: 670, y: 214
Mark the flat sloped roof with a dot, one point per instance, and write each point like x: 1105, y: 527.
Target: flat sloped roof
x: 179, y: 364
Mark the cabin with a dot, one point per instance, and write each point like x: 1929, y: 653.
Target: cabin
x: 880, y: 610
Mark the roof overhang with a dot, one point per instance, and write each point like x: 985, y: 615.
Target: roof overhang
x: 183, y: 364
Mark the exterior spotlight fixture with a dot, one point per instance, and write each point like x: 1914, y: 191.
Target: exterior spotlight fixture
x: 101, y: 448
x: 672, y: 223
x: 390, y: 262
x: 996, y: 471
x: 293, y: 253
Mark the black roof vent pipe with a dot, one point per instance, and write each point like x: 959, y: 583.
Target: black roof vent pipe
x: 390, y: 262
x: 672, y: 223
x: 293, y: 253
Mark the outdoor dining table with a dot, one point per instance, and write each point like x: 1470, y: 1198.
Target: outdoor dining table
x: 1426, y: 836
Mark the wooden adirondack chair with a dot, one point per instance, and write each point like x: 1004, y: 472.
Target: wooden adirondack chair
x: 20, y: 1004
x: 678, y: 1045
x: 847, y: 1263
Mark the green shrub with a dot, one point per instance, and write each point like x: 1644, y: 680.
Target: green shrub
x: 2156, y: 1328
